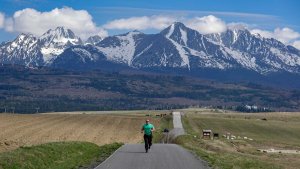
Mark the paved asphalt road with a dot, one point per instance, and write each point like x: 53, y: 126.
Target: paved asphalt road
x: 177, y: 125
x: 161, y: 156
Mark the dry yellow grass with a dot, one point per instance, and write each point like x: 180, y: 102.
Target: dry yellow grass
x: 19, y: 130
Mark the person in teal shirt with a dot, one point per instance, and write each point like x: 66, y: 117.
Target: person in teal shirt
x: 147, y: 129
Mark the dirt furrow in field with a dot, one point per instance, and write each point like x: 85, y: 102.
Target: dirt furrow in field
x: 42, y: 136
x: 9, y: 119
x: 83, y: 131
x: 60, y: 130
x: 17, y: 129
x: 96, y: 126
x: 131, y: 130
x: 35, y: 129
x: 71, y: 127
x: 7, y: 123
x: 109, y: 133
x: 102, y: 131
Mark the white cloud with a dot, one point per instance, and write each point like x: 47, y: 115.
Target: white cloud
x: 285, y: 35
x: 141, y: 23
x: 1, y: 20
x: 207, y: 24
x: 9, y: 24
x: 296, y: 44
x: 32, y: 21
x: 263, y: 33
x: 237, y: 25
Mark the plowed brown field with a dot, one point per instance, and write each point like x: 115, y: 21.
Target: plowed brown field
x: 18, y: 130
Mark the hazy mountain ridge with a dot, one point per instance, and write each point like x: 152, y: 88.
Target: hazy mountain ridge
x: 25, y: 89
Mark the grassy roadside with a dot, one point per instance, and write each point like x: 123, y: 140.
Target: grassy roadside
x: 221, y: 154
x: 57, y: 155
x: 166, y: 122
x: 219, y: 159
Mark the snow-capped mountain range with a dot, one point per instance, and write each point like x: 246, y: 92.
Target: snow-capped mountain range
x: 177, y: 46
x: 42, y: 51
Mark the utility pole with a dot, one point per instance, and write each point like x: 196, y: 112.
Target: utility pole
x: 4, y: 109
x: 37, y: 109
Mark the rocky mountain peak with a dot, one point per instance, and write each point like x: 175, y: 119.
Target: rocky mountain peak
x: 59, y: 36
x: 93, y: 40
x: 173, y: 28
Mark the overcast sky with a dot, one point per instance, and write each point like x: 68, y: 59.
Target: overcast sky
x: 271, y: 18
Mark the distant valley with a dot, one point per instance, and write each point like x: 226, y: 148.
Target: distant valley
x: 27, y: 90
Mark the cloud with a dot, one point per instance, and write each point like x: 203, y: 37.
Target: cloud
x: 9, y: 24
x: 285, y: 35
x: 32, y: 21
x: 2, y: 19
x: 169, y: 12
x: 141, y: 23
x: 207, y: 24
x: 296, y: 44
x: 263, y: 33
x: 237, y: 25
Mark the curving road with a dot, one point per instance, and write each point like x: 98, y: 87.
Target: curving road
x: 161, y: 156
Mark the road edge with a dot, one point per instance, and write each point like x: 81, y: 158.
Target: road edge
x: 109, y: 157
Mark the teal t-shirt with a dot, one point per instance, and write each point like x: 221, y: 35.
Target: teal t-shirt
x: 147, y: 129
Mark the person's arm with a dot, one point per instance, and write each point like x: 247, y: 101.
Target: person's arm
x: 142, y: 130
x: 153, y: 128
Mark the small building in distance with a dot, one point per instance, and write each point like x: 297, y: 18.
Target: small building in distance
x: 206, y: 134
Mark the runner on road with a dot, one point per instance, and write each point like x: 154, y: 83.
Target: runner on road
x: 148, y: 128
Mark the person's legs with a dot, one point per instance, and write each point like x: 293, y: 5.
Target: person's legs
x: 150, y: 141
x: 146, y: 140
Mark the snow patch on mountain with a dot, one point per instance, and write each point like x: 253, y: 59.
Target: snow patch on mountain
x: 289, y: 59
x: 184, y: 36
x: 143, y: 51
x: 50, y: 53
x: 124, y: 52
x: 242, y: 58
x: 180, y: 49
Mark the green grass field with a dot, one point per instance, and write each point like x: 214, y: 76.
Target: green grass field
x: 57, y: 155
x: 277, y: 130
